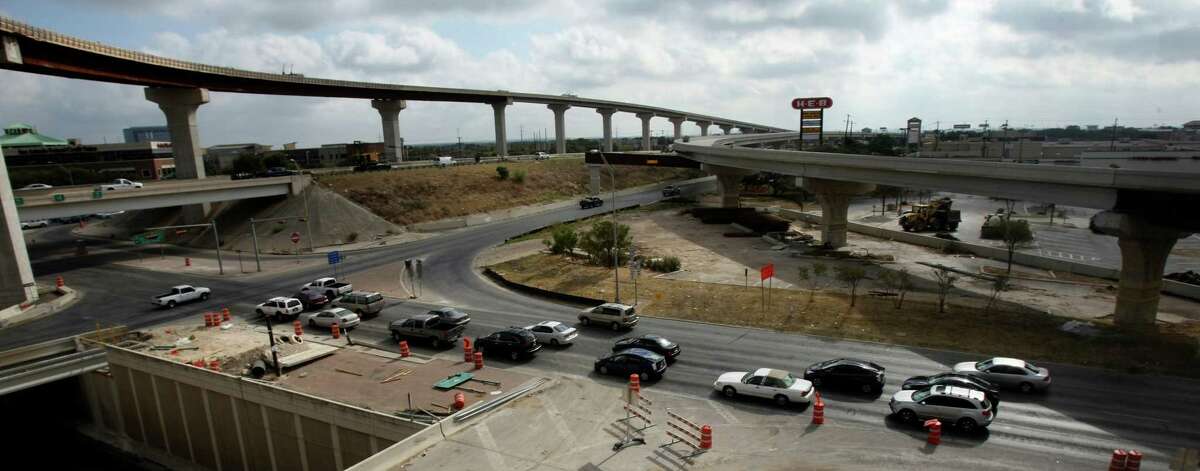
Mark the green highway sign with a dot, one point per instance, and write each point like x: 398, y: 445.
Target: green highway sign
x: 97, y: 194
x: 20, y: 201
x: 59, y: 197
x: 148, y: 237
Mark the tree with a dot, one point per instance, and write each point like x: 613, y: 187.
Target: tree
x: 563, y: 240
x: 812, y: 277
x: 851, y: 276
x: 999, y: 284
x: 1017, y: 234
x: 945, y: 281
x: 279, y: 159
x: 882, y: 144
x: 903, y: 286
x: 502, y: 172
x: 248, y: 163
x: 598, y: 243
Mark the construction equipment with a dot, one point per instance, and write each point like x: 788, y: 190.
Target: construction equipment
x: 936, y: 216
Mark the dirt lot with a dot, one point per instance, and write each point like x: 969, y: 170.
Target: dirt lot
x: 428, y: 194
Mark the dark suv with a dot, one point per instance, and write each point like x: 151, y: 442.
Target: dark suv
x: 671, y: 190
x: 590, y: 202
x: 644, y: 363
x: 847, y: 372
x: 512, y: 342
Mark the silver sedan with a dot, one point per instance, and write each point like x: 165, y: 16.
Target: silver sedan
x: 1008, y: 372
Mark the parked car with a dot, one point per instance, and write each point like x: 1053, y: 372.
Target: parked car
x: 965, y: 408
x: 451, y: 316
x: 35, y: 186
x: 513, y: 342
x: 109, y: 215
x: 34, y: 224
x: 655, y: 343
x: 847, y: 372
x: 280, y: 308
x: 426, y: 326
x: 311, y: 299
x: 644, y: 363
x: 671, y: 190
x: 329, y: 287
x: 777, y: 385
x: 71, y: 219
x: 363, y: 303
x: 181, y: 294
x: 241, y: 176
x: 1008, y: 372
x: 119, y: 184
x: 372, y: 167
x: 279, y: 172
x: 615, y: 315
x: 325, y: 318
x: 541, y: 156
x: 553, y: 332
x: 988, y: 389
x: 590, y: 202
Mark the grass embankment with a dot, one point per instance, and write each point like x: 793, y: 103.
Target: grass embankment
x: 968, y: 329
x: 428, y: 194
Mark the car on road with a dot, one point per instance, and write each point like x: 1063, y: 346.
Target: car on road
x: 35, y: 186
x: 644, y: 363
x: 119, y: 184
x: 34, y: 224
x: 444, y: 161
x: 345, y: 319
x: 655, y: 343
x: 776, y: 385
x: 242, y: 176
x: 329, y: 287
x: 513, y: 342
x: 966, y: 409
x: 614, y: 315
x: 1008, y: 372
x: 109, y: 215
x: 311, y: 299
x: 589, y: 202
x: 280, y: 308
x: 671, y: 190
x: 279, y: 172
x: 553, y: 332
x: 363, y: 303
x: 180, y: 295
x: 847, y: 372
x: 426, y: 326
x: 451, y: 316
x: 989, y: 390
x: 372, y: 167
x: 541, y: 156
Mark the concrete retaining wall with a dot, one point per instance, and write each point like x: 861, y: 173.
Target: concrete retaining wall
x: 1061, y: 266
x: 225, y: 422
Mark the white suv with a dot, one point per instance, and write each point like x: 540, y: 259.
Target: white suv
x: 965, y: 408
x: 612, y: 314
x: 280, y: 307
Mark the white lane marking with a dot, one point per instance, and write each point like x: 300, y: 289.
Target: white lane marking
x: 723, y: 412
x: 491, y: 449
x: 556, y: 418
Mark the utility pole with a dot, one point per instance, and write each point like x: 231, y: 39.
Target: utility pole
x: 846, y: 134
x: 937, y: 134
x: 1006, y: 146
x: 458, y: 132
x: 1112, y: 144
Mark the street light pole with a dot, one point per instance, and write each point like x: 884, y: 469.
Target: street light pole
x: 254, y: 235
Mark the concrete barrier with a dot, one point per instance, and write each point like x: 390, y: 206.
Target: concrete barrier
x: 543, y: 293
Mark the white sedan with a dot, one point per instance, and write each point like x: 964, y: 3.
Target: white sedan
x: 35, y: 186
x: 34, y: 224
x: 777, y: 385
x: 345, y: 318
x: 553, y: 332
x: 119, y: 184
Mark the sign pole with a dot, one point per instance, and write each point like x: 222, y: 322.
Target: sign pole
x: 821, y: 133
x: 254, y: 235
x: 217, y: 239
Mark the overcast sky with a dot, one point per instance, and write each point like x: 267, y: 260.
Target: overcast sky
x: 1037, y: 63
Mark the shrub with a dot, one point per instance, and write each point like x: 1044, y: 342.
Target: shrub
x: 663, y: 264
x: 351, y: 237
x: 563, y: 240
x: 598, y: 243
x: 502, y: 172
x: 518, y: 176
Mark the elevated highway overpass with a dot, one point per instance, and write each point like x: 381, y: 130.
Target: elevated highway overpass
x: 1148, y: 211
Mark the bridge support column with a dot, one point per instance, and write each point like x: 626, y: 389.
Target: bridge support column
x: 1144, y: 250
x: 389, y: 111
x: 678, y: 123
x: 16, y: 274
x: 725, y: 128
x: 180, y: 105
x: 501, y: 129
x: 594, y: 178
x: 834, y: 196
x: 606, y: 120
x: 645, y: 117
x: 704, y: 127
x: 560, y: 127
x: 729, y: 180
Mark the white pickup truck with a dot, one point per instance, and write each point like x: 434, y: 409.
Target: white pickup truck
x: 329, y: 287
x: 119, y: 184
x: 181, y: 294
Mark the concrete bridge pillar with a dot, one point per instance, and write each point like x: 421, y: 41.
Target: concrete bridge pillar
x: 16, y: 275
x: 704, y: 127
x: 594, y: 178
x: 1144, y: 250
x: 725, y: 128
x: 729, y: 180
x: 678, y: 122
x: 560, y: 127
x: 606, y: 115
x: 389, y: 110
x: 180, y: 105
x: 834, y: 196
x: 645, y: 117
x: 501, y: 130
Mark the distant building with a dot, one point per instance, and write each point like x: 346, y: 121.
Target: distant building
x: 139, y: 160
x: 21, y: 135
x: 1192, y: 125
x: 351, y: 153
x: 146, y: 134
x: 1093, y: 127
x: 222, y: 156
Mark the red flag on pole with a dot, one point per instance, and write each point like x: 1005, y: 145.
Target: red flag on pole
x: 767, y: 271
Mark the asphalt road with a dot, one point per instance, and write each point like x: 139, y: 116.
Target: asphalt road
x: 1086, y: 414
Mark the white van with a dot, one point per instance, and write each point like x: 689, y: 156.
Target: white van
x: 445, y: 161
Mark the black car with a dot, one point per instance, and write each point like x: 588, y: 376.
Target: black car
x: 241, y: 176
x: 654, y: 343
x: 372, y: 167
x: 590, y: 202
x: 279, y: 172
x: 989, y: 390
x: 512, y: 342
x: 311, y: 299
x: 847, y: 372
x: 644, y: 363
x: 671, y: 190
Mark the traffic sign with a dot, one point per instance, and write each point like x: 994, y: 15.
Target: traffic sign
x: 767, y: 271
x: 295, y: 237
x: 810, y: 114
x: 20, y: 201
x: 811, y: 103
x: 148, y: 237
x: 335, y: 257
x: 59, y: 197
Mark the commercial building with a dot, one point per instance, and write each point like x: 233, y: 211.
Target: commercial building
x: 222, y: 156
x: 25, y: 136
x: 140, y: 160
x: 146, y: 134
x: 351, y: 153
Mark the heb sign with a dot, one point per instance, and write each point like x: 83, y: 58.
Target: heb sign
x: 811, y: 103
